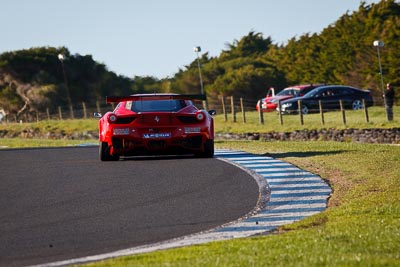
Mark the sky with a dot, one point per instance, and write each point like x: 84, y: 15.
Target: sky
x: 156, y: 37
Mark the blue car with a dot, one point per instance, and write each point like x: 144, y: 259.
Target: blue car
x: 330, y: 96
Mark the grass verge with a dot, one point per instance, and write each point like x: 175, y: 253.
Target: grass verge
x: 361, y: 227
x: 354, y: 119
x: 26, y: 143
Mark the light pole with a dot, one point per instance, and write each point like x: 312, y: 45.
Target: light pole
x: 197, y: 49
x: 61, y: 57
x: 379, y: 44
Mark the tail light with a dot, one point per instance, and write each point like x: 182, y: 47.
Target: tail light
x: 112, y: 118
x: 200, y: 116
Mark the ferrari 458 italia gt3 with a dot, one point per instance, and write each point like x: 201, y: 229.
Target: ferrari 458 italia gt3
x: 155, y: 124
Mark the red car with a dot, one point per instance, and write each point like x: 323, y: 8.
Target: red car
x: 155, y: 124
x: 270, y: 103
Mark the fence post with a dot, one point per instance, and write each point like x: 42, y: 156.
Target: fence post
x: 300, y: 112
x: 279, y: 112
x: 343, y: 111
x: 84, y: 110
x: 71, y: 111
x: 260, y: 112
x: 233, y: 109
x: 60, y: 113
x: 48, y: 113
x: 98, y: 106
x: 365, y: 111
x: 242, y: 108
x: 223, y: 108
x: 321, y: 112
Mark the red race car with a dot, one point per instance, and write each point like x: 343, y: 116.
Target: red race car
x: 155, y: 124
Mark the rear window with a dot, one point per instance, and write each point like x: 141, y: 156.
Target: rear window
x: 288, y: 91
x: 167, y: 105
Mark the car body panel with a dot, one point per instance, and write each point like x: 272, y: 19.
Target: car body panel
x: 330, y: 97
x: 154, y: 124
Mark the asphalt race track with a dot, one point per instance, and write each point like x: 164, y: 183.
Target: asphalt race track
x: 62, y: 203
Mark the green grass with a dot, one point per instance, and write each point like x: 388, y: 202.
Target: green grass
x: 55, y: 126
x: 361, y: 226
x: 354, y: 119
x: 26, y: 143
x: 48, y: 133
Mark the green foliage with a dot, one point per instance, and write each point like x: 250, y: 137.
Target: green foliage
x: 8, y: 98
x: 145, y: 84
x: 249, y: 46
x: 35, y: 77
x: 341, y: 54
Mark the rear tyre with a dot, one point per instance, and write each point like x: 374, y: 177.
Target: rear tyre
x: 208, y: 150
x: 104, y: 152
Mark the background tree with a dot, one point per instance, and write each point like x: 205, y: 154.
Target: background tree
x: 342, y: 53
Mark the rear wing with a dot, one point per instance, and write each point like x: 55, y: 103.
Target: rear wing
x: 115, y: 99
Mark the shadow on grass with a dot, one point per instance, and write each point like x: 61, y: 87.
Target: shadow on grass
x: 303, y: 154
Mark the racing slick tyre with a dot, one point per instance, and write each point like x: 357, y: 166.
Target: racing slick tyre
x: 208, y: 150
x: 104, y: 152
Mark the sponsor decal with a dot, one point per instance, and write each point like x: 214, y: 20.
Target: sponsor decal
x: 156, y: 135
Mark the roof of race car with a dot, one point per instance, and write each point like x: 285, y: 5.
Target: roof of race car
x: 158, y: 96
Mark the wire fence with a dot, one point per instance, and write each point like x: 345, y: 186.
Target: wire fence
x: 235, y: 110
x: 77, y: 111
x: 85, y: 110
x: 232, y: 109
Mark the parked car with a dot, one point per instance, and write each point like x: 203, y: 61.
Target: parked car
x: 153, y: 124
x: 270, y: 93
x: 330, y: 96
x: 270, y: 103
